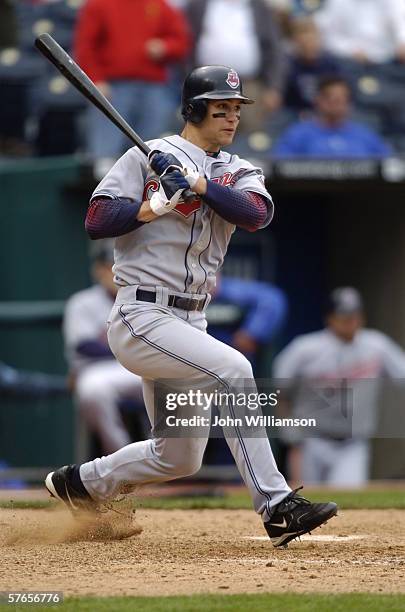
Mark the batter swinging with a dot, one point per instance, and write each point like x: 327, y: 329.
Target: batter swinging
x: 167, y: 253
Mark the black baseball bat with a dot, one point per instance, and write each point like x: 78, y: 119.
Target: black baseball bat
x: 79, y: 79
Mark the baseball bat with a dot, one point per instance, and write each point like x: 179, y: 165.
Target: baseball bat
x: 79, y: 79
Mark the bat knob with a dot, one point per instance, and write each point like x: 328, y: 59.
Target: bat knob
x: 188, y: 195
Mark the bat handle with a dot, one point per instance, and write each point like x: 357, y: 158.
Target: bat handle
x: 188, y: 195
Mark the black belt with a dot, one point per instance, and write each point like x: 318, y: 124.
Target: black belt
x: 175, y: 301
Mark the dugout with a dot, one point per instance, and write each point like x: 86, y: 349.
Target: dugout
x: 336, y: 223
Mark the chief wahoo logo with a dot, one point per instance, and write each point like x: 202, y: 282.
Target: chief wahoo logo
x: 233, y: 79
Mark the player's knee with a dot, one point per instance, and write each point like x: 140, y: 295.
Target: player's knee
x: 91, y: 389
x: 183, y: 459
x: 187, y: 467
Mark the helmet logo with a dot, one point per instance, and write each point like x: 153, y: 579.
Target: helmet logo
x: 233, y: 79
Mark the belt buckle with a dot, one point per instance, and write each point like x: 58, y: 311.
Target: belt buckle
x: 195, y: 302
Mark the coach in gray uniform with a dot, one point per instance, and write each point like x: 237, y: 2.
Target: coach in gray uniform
x: 167, y: 254
x: 98, y: 379
x: 343, y: 363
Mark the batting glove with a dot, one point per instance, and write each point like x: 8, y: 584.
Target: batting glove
x: 163, y: 162
x: 172, y: 185
x: 191, y: 176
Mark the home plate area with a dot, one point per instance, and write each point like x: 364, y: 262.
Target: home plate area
x: 181, y: 552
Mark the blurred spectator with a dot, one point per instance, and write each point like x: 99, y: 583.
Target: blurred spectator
x: 242, y: 34
x: 307, y: 64
x: 364, y: 30
x: 126, y: 49
x: 264, y: 310
x: 349, y: 361
x: 331, y: 133
x: 99, y: 381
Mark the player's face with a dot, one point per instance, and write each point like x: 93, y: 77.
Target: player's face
x: 345, y: 326
x: 333, y: 103
x: 221, y: 122
x: 308, y: 42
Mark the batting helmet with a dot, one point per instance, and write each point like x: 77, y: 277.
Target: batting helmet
x: 209, y: 83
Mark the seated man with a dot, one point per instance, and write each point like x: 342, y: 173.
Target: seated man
x: 307, y: 63
x: 99, y: 380
x: 331, y: 133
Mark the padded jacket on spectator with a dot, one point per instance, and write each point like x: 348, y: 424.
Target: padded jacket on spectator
x: 111, y: 39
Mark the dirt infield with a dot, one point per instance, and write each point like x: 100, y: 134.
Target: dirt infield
x: 198, y: 551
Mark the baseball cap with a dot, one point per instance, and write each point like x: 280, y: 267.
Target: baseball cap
x: 345, y: 300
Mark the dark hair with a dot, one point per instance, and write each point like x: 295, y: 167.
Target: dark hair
x: 344, y: 300
x: 328, y: 80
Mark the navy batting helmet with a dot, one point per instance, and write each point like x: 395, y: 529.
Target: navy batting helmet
x: 209, y: 83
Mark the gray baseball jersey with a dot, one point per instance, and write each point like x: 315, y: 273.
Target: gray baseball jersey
x: 321, y: 357
x: 85, y: 318
x: 183, y: 249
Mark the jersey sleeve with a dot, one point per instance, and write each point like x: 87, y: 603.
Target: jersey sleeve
x: 126, y: 178
x: 393, y: 359
x: 251, y: 178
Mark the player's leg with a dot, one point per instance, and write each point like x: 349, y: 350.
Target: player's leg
x: 184, y: 352
x: 153, y: 342
x: 98, y: 390
x: 154, y: 460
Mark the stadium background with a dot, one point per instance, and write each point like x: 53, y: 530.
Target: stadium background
x: 336, y: 223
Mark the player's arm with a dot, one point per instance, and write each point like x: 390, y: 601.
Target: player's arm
x: 109, y: 215
x: 246, y: 209
x: 393, y: 357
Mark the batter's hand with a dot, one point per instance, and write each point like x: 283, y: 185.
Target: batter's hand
x: 172, y: 185
x: 191, y: 176
x: 163, y: 162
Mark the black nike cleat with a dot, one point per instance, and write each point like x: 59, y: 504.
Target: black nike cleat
x: 294, y: 516
x: 60, y: 486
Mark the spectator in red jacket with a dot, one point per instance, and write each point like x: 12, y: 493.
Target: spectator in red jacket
x: 126, y: 48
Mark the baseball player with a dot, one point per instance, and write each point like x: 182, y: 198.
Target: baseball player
x: 99, y: 381
x: 343, y: 351
x: 167, y: 253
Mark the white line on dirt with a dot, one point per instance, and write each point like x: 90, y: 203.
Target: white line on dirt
x: 314, y: 538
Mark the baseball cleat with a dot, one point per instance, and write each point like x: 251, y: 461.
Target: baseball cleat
x: 294, y: 516
x: 60, y: 486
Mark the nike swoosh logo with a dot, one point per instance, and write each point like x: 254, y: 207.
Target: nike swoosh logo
x: 281, y: 525
x: 70, y: 499
x: 299, y: 519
